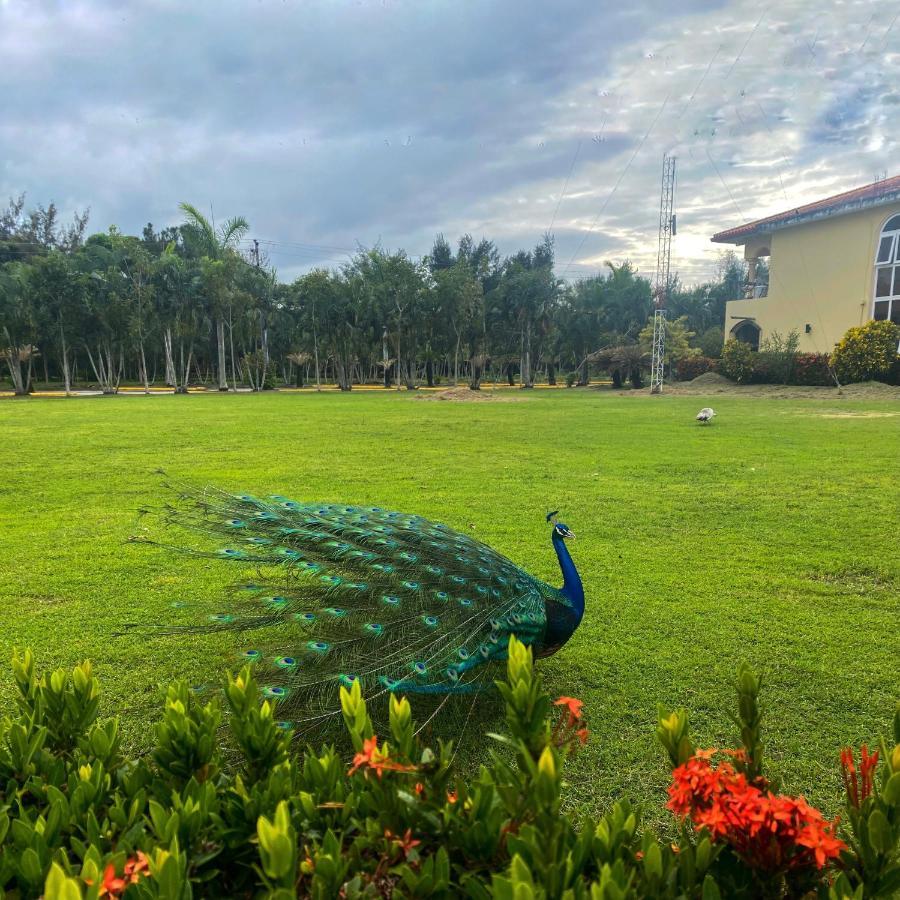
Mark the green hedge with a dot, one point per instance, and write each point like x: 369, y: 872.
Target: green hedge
x: 243, y: 812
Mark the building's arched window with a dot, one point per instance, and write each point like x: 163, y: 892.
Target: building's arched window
x: 748, y: 332
x: 886, y: 304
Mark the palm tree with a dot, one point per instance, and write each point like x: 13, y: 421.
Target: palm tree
x: 217, y: 245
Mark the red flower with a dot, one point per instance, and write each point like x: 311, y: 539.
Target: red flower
x: 451, y: 796
x: 771, y: 832
x: 858, y: 789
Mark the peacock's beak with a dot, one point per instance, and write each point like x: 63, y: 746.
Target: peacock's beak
x: 569, y: 534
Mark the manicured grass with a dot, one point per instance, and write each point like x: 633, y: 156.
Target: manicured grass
x: 770, y: 537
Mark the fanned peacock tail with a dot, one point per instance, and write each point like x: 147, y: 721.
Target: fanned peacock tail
x: 342, y: 593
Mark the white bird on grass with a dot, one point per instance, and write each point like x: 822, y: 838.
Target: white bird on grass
x: 705, y: 415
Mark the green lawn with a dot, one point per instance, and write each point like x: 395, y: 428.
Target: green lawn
x: 770, y: 536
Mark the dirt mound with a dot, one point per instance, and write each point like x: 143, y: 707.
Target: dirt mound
x: 464, y: 395
x: 712, y: 379
x: 869, y: 389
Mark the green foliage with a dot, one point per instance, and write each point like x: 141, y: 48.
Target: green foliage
x: 868, y: 353
x: 77, y: 819
x: 737, y: 361
x: 776, y: 361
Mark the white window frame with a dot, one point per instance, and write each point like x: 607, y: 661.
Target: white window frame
x: 892, y: 264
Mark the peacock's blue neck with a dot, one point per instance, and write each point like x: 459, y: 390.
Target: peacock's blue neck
x: 571, y: 589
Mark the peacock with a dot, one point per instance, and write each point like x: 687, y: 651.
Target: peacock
x: 345, y: 593
x: 705, y: 416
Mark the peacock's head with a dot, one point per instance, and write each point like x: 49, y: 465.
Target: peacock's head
x: 559, y: 529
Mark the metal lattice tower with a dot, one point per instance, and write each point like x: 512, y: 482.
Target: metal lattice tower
x: 662, y: 284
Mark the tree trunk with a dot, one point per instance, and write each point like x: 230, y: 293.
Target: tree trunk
x: 220, y: 346
x: 551, y: 373
x: 171, y: 376
x: 429, y: 372
x: 67, y: 378
x: 527, y: 377
x: 316, y: 351
x: 234, y: 377
x: 510, y: 369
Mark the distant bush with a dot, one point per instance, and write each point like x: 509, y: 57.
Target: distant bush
x: 710, y: 342
x: 251, y: 815
x: 868, y: 353
x: 812, y: 369
x: 737, y: 361
x: 690, y: 367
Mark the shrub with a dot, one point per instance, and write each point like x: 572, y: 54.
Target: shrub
x: 867, y: 353
x: 737, y: 361
x: 812, y: 369
x: 79, y: 821
x: 776, y: 359
x: 690, y: 367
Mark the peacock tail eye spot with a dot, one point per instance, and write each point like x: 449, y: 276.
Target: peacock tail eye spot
x: 390, y: 683
x: 462, y: 653
x: 442, y: 595
x: 309, y: 567
x: 335, y: 611
x: 221, y: 617
x: 274, y: 692
x: 390, y: 600
x: 317, y: 646
x: 284, y: 725
x: 251, y: 655
x: 374, y: 628
x: 259, y: 540
x: 411, y: 585
x: 484, y: 650
x: 430, y: 621
x: 434, y: 570
x: 501, y: 579
x: 246, y: 498
x: 330, y: 579
x: 290, y: 531
x: 346, y: 680
x: 305, y: 617
x: 290, y: 504
x: 484, y: 571
x: 277, y: 602
x: 236, y: 523
x: 465, y: 601
x: 179, y: 604
x: 458, y: 579
x: 286, y: 662
x: 452, y: 674
x: 409, y: 557
x: 481, y: 589
x: 495, y: 593
x: 356, y: 585
x: 228, y: 551
x: 264, y: 516
x: 419, y: 668
x: 290, y: 554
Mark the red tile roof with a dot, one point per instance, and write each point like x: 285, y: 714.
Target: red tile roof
x: 876, y: 194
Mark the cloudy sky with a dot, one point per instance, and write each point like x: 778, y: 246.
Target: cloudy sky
x: 331, y: 125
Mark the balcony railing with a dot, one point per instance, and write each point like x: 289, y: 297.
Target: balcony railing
x: 753, y: 290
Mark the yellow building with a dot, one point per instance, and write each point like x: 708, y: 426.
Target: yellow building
x: 833, y: 264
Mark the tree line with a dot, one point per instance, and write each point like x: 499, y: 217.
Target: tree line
x: 187, y: 305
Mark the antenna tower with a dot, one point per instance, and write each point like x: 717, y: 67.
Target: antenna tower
x: 662, y: 284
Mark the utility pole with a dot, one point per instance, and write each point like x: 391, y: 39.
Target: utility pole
x: 661, y: 286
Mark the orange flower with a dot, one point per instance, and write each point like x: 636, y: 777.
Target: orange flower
x: 858, y: 788
x: 451, y: 796
x: 377, y: 760
x: 573, y: 705
x: 405, y: 843
x: 582, y: 735
x: 136, y: 867
x: 112, y: 885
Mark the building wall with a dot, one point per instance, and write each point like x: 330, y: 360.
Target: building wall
x: 821, y: 274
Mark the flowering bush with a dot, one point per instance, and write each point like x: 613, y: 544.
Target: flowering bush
x: 210, y: 815
x: 812, y: 369
x: 689, y: 367
x: 868, y: 352
x: 737, y: 361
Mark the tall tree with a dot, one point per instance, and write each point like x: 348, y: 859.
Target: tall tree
x: 217, y: 246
